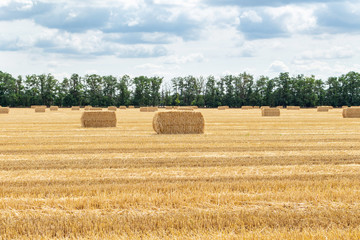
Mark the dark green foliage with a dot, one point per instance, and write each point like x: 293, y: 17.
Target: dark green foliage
x: 230, y: 90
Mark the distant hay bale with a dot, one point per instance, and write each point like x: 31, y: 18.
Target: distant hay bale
x: 293, y: 108
x: 88, y: 107
x: 175, y: 122
x: 344, y: 106
x: 270, y: 112
x: 75, y: 108
x: 176, y: 107
x: 131, y: 107
x: 247, y: 107
x: 223, y: 107
x: 195, y: 107
x: 95, y: 109
x: 186, y: 109
x: 331, y: 107
x: 280, y: 107
x: 352, y: 112
x: 264, y: 107
x: 38, y: 106
x: 112, y: 108
x: 4, y: 110
x: 54, y: 108
x: 323, y: 108
x: 98, y: 119
x: 40, y: 109
x: 148, y: 109
x: 256, y: 107
x: 122, y: 107
x: 168, y: 107
x: 152, y: 109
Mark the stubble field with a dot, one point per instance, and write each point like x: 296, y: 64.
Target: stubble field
x: 296, y: 176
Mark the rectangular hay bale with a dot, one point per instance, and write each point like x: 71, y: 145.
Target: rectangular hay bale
x: 352, y: 112
x: 54, y: 108
x: 75, y: 108
x: 40, y: 109
x: 122, y: 107
x: 95, y: 109
x: 247, y: 107
x: 4, y: 110
x: 176, y: 122
x: 323, y: 108
x: 98, y: 119
x: 293, y: 108
x: 270, y: 112
x: 112, y: 108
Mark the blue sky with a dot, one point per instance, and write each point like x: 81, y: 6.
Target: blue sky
x: 179, y: 37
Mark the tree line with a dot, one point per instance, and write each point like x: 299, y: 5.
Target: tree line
x: 230, y: 90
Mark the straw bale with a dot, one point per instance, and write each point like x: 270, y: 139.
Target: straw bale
x: 98, y: 119
x: 186, y: 109
x: 264, y: 107
x: 344, y: 106
x: 152, y: 109
x: 176, y: 122
x: 168, y: 107
x: 40, y: 109
x: 270, y: 112
x: 323, y: 108
x: 195, y: 107
x: 75, y: 108
x: 280, y: 107
x: 4, y: 110
x: 223, y: 107
x: 247, y: 107
x: 112, y: 108
x: 256, y: 107
x: 293, y: 108
x: 54, y: 108
x: 122, y: 107
x: 38, y: 106
x: 88, y: 107
x: 143, y: 109
x: 352, y: 112
x: 95, y: 109
x: 131, y: 107
x: 176, y: 107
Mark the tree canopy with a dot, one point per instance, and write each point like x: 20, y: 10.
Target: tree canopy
x: 230, y: 90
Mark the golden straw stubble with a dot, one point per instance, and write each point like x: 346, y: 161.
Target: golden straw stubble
x: 174, y: 122
x: 97, y: 119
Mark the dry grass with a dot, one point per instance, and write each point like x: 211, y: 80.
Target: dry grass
x: 246, y: 177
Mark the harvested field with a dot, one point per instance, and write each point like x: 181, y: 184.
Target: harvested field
x: 248, y: 177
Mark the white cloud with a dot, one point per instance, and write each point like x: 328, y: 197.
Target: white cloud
x: 278, y: 67
x: 332, y: 53
x: 195, y: 57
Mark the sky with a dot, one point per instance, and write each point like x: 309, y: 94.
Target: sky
x: 179, y: 37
